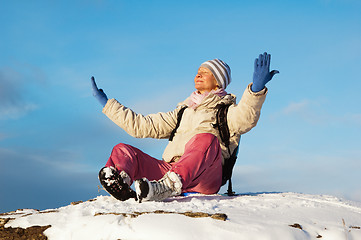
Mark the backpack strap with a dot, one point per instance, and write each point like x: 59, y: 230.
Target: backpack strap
x: 179, y: 117
x: 222, y: 125
x: 224, y: 133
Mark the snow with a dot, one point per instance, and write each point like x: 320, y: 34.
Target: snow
x: 252, y: 217
x: 108, y: 172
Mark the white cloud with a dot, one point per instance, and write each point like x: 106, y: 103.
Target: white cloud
x: 354, y: 195
x: 64, y: 160
x: 61, y: 160
x: 352, y: 118
x: 15, y: 90
x: 297, y: 107
x: 318, y: 112
x: 166, y: 101
x: 307, y: 110
x: 316, y: 173
x: 16, y: 111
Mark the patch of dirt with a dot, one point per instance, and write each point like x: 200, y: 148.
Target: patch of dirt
x: 296, y: 225
x: 78, y: 202
x: 30, y: 233
x: 218, y: 216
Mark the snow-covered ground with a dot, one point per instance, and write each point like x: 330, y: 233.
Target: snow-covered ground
x: 256, y: 216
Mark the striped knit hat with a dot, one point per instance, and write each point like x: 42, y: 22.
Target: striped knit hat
x: 220, y: 70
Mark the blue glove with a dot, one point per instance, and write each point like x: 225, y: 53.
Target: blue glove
x: 261, y: 74
x: 99, y: 94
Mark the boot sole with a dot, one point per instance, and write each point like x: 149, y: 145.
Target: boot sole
x: 118, y: 189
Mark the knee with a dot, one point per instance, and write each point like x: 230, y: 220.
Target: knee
x: 121, y: 149
x: 120, y: 146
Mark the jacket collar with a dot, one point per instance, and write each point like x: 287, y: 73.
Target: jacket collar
x: 213, y: 100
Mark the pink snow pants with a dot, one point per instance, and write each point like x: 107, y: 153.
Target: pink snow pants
x: 200, y: 167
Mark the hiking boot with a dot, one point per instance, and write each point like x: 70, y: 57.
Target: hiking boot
x: 170, y: 185
x: 116, y: 184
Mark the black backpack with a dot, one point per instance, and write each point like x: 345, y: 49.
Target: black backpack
x: 223, y: 129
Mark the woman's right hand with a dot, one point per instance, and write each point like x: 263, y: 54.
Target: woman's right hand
x: 98, y: 93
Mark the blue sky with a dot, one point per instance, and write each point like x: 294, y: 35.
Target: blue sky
x: 54, y: 138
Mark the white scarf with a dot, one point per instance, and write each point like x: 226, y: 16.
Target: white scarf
x: 196, y: 97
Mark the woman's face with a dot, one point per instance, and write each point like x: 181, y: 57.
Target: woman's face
x: 204, y: 80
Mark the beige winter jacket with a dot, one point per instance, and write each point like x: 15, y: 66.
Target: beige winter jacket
x: 241, y: 118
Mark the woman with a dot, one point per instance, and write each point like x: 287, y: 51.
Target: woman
x: 192, y: 161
